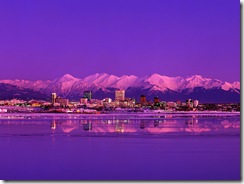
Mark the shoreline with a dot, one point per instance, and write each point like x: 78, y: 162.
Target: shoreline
x: 121, y: 114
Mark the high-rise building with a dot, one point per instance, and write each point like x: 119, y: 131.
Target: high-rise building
x: 156, y: 101
x: 119, y: 95
x: 88, y: 95
x: 143, y: 99
x: 195, y: 103
x: 189, y: 103
x: 54, y: 96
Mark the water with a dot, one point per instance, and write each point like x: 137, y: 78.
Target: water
x: 120, y: 147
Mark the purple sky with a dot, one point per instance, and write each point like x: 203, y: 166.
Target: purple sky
x: 44, y: 39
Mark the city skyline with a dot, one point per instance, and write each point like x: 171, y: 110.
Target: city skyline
x: 42, y: 40
x: 103, y: 86
x: 120, y: 90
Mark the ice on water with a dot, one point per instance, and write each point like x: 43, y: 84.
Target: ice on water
x: 128, y: 124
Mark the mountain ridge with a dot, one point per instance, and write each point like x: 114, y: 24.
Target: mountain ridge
x: 104, y: 85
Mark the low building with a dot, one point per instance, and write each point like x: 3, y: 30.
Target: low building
x: 62, y: 101
x: 83, y: 101
x: 171, y: 104
x: 107, y: 100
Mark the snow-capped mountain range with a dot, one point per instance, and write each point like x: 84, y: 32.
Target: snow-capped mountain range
x: 103, y: 85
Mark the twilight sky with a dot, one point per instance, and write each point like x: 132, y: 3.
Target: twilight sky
x: 44, y: 39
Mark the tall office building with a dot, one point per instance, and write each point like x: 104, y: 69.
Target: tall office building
x: 119, y: 95
x: 156, y: 101
x: 195, y: 103
x: 189, y: 103
x: 143, y: 99
x: 88, y: 95
x: 54, y: 96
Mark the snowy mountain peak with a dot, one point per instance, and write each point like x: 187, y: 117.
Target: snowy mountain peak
x: 102, y: 79
x: 164, y: 82
x: 155, y: 75
x: 226, y: 86
x: 128, y: 76
x: 199, y: 81
x: 67, y: 84
x: 236, y: 85
x: 126, y: 81
x: 66, y: 78
x: 195, y: 77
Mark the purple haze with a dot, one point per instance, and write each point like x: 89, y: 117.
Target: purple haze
x: 43, y: 39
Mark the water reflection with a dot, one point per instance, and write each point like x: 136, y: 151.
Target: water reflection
x: 53, y: 124
x: 119, y: 126
x: 68, y: 125
x: 155, y: 125
x: 143, y: 124
x: 87, y: 125
x: 191, y: 121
